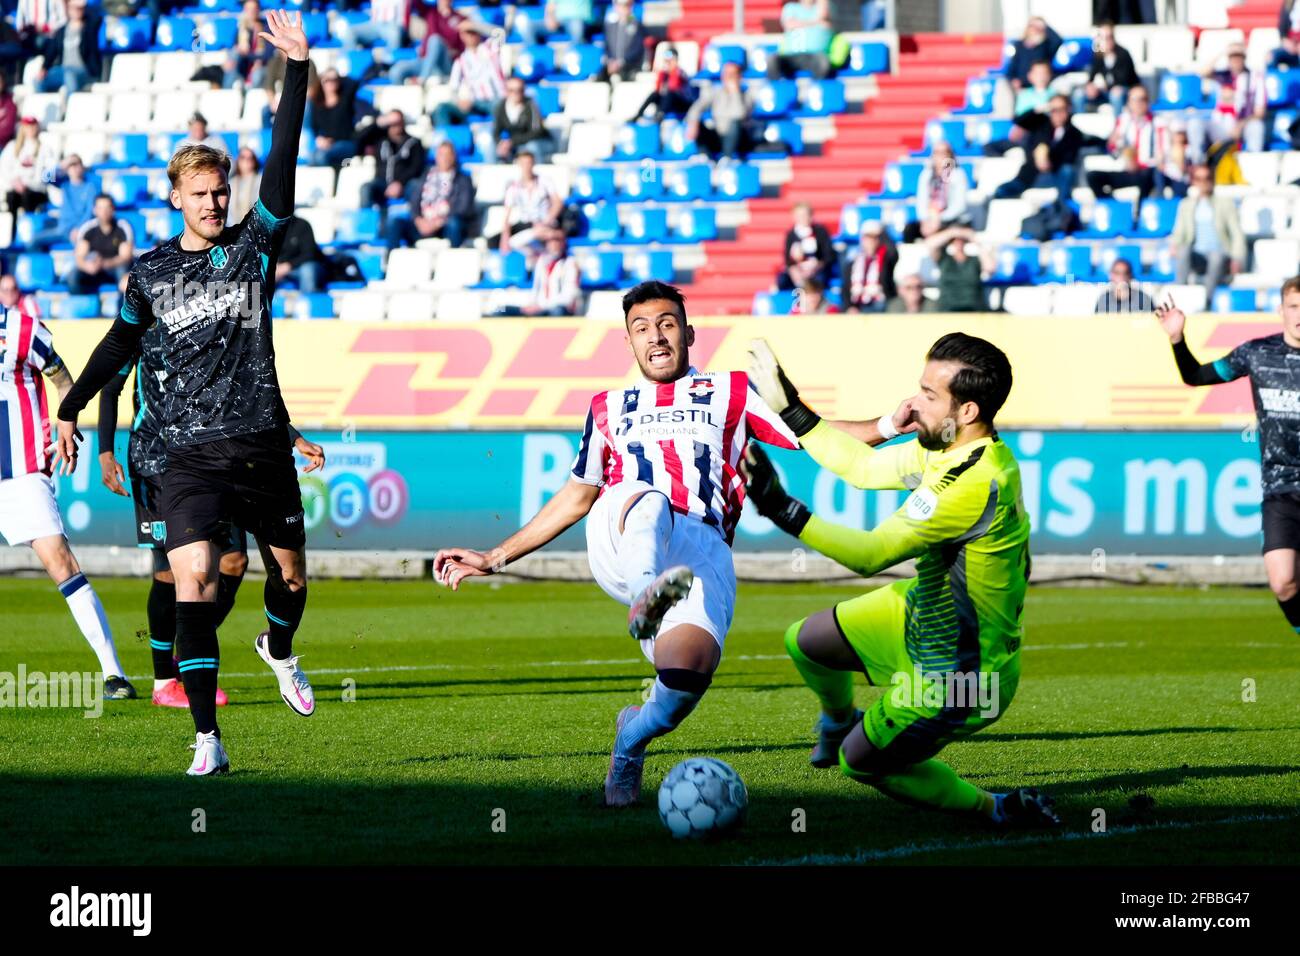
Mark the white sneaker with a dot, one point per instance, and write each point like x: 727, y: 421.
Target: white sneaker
x: 294, y: 688
x: 209, y: 756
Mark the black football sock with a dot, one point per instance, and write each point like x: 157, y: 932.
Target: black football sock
x: 283, y: 613
x: 162, y: 628
x: 227, y: 588
x: 1291, y: 608
x: 196, y: 643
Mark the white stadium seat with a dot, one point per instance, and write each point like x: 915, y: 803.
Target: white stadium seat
x: 494, y: 220
x: 172, y: 69
x: 352, y: 178
x: 406, y: 97
x: 131, y: 71
x: 172, y: 110
x: 323, y: 221
x: 490, y: 182
x: 1100, y: 125
x: 1189, y: 298
x: 1213, y: 44
x: 1079, y: 298
x: 6, y: 229
x: 587, y: 101
x: 457, y: 269
x: 362, y: 305
x: 312, y: 185
x: 1277, y: 257
x: 590, y: 143
x: 410, y: 307
x: 90, y: 145
x: 1260, y: 169
x: 466, y: 306
x: 129, y: 112
x: 1005, y: 218
x: 408, y: 269
x: 46, y: 107
x: 1028, y: 299
x: 996, y: 170
x: 1290, y: 168
x: 1169, y: 48
x: 255, y: 101
x: 1263, y: 215
x: 222, y: 109
x: 1259, y: 48
x: 627, y: 99
x: 605, y: 304
x: 85, y: 111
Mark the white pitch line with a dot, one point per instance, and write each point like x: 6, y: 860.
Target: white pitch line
x: 405, y: 668
x: 942, y: 846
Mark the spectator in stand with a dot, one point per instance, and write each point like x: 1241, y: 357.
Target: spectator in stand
x: 911, y: 298
x: 1122, y: 295
x: 36, y: 22
x: 198, y: 133
x: 300, y: 258
x: 732, y: 109
x: 873, y: 15
x: 248, y: 60
x: 476, y: 78
x: 811, y: 299
x: 961, y: 279
x: 72, y: 57
x: 673, y: 93
x: 1138, y: 140
x: 572, y: 16
x: 1034, y: 97
x: 1038, y: 45
x: 940, y: 195
x: 245, y: 185
x: 385, y: 28
x: 517, y: 126
x: 8, y: 112
x: 1287, y: 55
x: 805, y: 40
x: 12, y: 297
x: 1241, y: 103
x: 808, y: 250
x: 1052, y: 143
x: 401, y: 160
x: 1124, y: 11
x: 331, y: 117
x: 624, y: 44
x: 1174, y: 165
x: 1110, y: 75
x: 439, y: 48
x: 442, y: 204
x: 104, y: 251
x: 1207, y: 239
x: 556, y: 283
x: 871, y: 275
x: 532, y: 210
x: 27, y: 165
x: 13, y: 55
x: 77, y: 204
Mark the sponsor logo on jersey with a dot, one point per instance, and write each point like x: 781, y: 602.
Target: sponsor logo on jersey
x: 657, y: 422
x: 1280, y: 400
x: 922, y: 504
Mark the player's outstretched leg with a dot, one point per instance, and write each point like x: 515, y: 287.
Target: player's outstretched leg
x: 286, y: 599
x: 826, y: 664
x: 642, y: 553
x: 86, y: 610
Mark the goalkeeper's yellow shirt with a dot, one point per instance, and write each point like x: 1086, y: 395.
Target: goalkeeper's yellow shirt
x: 965, y: 523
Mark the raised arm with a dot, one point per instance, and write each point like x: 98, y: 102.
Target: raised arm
x: 286, y: 35
x: 1173, y: 321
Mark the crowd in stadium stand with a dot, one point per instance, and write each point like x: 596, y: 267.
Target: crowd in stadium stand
x: 565, y: 148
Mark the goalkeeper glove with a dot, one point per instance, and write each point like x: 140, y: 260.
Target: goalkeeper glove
x: 772, y: 501
x: 775, y: 389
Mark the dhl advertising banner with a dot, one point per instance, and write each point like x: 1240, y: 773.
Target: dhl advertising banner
x: 1126, y: 492
x: 1094, y: 372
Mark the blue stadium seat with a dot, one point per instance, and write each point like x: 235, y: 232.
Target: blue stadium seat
x: 699, y: 224
x: 129, y: 189
x: 317, y: 28
x: 822, y: 98
x: 852, y: 216
x: 1155, y: 218
x: 81, y: 307
x: 580, y: 63
x: 897, y: 218
x: 534, y: 13
x: 1282, y: 121
x: 991, y: 130
x: 129, y: 149
x: 1016, y: 265
x: 865, y: 59
x: 757, y: 58
x: 129, y: 35
x: 371, y: 263
x: 218, y: 33
x: 460, y: 137
x: 637, y: 141
x: 361, y: 226
x: 673, y: 141
x: 775, y: 99
x: 773, y: 303
x: 162, y: 222
x: 504, y: 271
x: 216, y: 6
x: 1108, y: 252
x: 1282, y: 88
x: 641, y: 183
x: 1270, y: 300
x: 652, y: 264
x: 174, y: 33
x: 28, y: 226
x: 1180, y: 91
x: 139, y: 225
x: 34, y: 270
x: 1073, y: 55
x: 739, y: 182
x: 714, y: 56
x: 535, y: 62
x: 1069, y: 262
x: 688, y: 182
x: 354, y: 63
x: 1233, y: 300
x: 1161, y: 268
x: 785, y: 133
x: 1110, y: 218
x: 953, y: 132
x: 591, y: 185
x: 646, y: 226
x: 901, y: 180
x: 979, y: 97
x: 601, y: 270
x: 547, y: 97
x: 602, y: 223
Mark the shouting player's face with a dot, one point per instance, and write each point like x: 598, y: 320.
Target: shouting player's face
x: 202, y: 197
x: 659, y: 338
x: 937, y: 413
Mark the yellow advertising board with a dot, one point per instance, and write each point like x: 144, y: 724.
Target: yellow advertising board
x: 1097, y: 371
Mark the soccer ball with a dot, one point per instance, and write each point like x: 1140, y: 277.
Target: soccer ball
x: 702, y: 797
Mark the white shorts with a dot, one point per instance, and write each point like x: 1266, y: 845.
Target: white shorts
x: 28, y: 510
x: 712, y: 600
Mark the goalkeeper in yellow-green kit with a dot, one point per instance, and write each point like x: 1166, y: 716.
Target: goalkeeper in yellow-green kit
x: 944, y: 644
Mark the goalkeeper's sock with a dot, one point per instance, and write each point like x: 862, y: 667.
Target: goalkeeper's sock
x: 833, y: 688
x: 227, y: 588
x: 161, y: 607
x: 675, y: 694
x: 283, y: 613
x: 1291, y: 608
x: 930, y: 783
x: 643, y: 548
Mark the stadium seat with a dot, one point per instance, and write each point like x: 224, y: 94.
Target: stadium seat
x: 592, y: 185
x: 504, y: 271
x: 317, y: 27
x: 688, y: 182
x: 323, y: 221
x: 455, y: 269
x: 714, y: 56
x: 172, y: 110
x: 218, y: 33
x: 1281, y: 133
x: 1155, y: 218
x: 625, y: 100
x: 602, y: 223
x: 1028, y: 300
x: 1263, y: 216
x: 773, y: 303
x: 1189, y: 298
x: 534, y: 62
x: 1282, y: 87
x: 174, y: 33
x: 354, y: 63
x: 1233, y: 300
x: 822, y: 98
x: 590, y: 143
x: 641, y: 183
x: 1016, y: 265
x: 548, y: 99
x: 1108, y: 252
x: 413, y: 306
x: 673, y: 141
x: 129, y: 149
x: 579, y: 63
x: 901, y: 180
x: 1110, y: 218
x: 637, y: 141
x: 34, y: 270
x: 990, y: 130
x: 652, y: 264
x: 1005, y: 218
x: 865, y: 59
x: 786, y: 134
x: 952, y: 132
x: 46, y: 108
x: 1076, y: 298
x: 131, y: 71
x: 646, y: 226
x: 127, y: 35
x: 312, y: 185
x: 81, y: 307
x: 1181, y: 92
x: 738, y: 182
x: 1073, y: 55
x: 363, y: 305
x: 587, y: 101
x: 129, y: 111
x: 28, y: 226
x: 852, y: 216
x: 1276, y: 257
x: 1161, y: 267
x: 604, y: 304
x: 775, y: 99
x: 757, y: 58
x: 222, y: 109
x: 600, y: 270
x: 697, y: 224
x: 1068, y: 262
x: 361, y: 226
x: 129, y: 190
x: 1260, y: 169
x: 85, y: 111
x: 170, y: 65
x: 979, y: 97
x: 460, y: 306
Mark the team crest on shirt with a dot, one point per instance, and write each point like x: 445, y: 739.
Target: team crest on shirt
x: 218, y: 257
x: 701, y: 389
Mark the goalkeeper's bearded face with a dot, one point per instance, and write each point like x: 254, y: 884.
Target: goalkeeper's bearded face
x: 936, y: 411
x: 660, y: 338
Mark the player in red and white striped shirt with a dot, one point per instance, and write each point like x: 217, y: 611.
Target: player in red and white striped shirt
x: 656, y: 478
x: 28, y: 512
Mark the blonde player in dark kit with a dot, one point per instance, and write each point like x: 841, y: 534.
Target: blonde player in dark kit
x: 223, y: 420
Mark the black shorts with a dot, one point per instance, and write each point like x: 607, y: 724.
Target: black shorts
x: 250, y: 482
x: 1281, y: 520
x: 151, y: 530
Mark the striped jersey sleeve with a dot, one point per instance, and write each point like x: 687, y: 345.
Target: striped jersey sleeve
x: 593, y: 450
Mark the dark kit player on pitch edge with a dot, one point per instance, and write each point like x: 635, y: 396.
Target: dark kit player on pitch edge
x: 225, y: 425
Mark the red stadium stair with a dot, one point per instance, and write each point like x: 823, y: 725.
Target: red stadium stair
x: 702, y: 20
x: 930, y: 80
x: 1254, y: 13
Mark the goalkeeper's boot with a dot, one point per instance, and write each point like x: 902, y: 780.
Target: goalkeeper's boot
x: 209, y: 756
x: 1026, y: 808
x: 294, y: 687
x: 623, y: 782
x: 648, y: 610
x: 827, y: 751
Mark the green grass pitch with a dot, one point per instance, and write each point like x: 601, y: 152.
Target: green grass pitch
x: 503, y: 697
